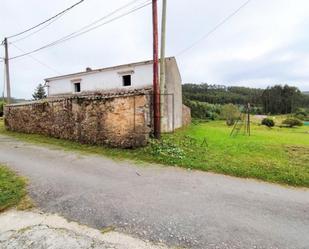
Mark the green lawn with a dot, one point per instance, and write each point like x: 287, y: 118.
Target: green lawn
x: 279, y: 155
x: 12, y: 188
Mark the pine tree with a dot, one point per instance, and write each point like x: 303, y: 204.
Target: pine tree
x: 39, y: 92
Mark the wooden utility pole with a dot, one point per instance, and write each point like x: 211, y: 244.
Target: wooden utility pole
x: 7, y: 71
x: 156, y: 87
x: 162, y: 62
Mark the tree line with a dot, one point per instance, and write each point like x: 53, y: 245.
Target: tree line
x: 278, y: 99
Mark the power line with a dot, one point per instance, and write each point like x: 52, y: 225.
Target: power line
x: 76, y: 34
x: 104, y: 17
x: 45, y: 26
x: 109, y: 21
x: 209, y: 33
x: 89, y: 25
x: 49, y: 19
x: 38, y: 61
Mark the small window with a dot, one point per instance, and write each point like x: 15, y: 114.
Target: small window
x: 126, y: 80
x: 77, y: 87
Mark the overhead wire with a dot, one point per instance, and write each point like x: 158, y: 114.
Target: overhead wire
x: 38, y: 61
x: 209, y: 33
x: 78, y: 33
x: 45, y: 26
x: 109, y: 21
x: 47, y: 20
x: 104, y: 17
x: 86, y: 26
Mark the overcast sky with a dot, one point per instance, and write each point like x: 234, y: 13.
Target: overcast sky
x: 266, y: 43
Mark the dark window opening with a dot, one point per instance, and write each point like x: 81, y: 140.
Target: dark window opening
x: 126, y: 80
x: 77, y: 87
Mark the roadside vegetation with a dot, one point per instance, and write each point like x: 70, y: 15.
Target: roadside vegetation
x: 277, y: 154
x: 12, y: 190
x: 2, y: 103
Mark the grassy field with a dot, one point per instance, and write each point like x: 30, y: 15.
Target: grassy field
x: 278, y: 155
x: 12, y: 188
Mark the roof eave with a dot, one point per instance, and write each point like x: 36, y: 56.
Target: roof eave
x: 101, y: 70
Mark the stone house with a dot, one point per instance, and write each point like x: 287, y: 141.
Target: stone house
x: 128, y: 77
x: 110, y: 106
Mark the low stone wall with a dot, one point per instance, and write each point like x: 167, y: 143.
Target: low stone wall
x: 122, y: 120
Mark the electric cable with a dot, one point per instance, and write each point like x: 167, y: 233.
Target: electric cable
x: 73, y: 35
x: 49, y: 19
x: 38, y: 61
x: 209, y: 33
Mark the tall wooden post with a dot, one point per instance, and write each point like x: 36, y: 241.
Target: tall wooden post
x: 162, y: 63
x: 248, y: 120
x: 7, y: 72
x: 156, y: 88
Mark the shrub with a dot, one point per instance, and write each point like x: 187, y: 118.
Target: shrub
x: 300, y: 116
x: 291, y: 122
x: 1, y: 108
x: 230, y: 113
x: 302, y: 111
x: 203, y: 110
x: 268, y: 122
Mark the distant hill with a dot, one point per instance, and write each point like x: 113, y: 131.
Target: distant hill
x: 220, y: 94
x: 307, y: 92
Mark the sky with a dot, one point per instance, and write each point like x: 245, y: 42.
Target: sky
x: 265, y: 43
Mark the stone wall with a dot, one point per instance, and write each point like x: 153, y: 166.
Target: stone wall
x: 186, y: 115
x: 121, y: 120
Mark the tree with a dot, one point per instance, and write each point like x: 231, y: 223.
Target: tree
x: 39, y: 92
x: 281, y: 99
x: 2, y: 103
x: 276, y: 100
x: 230, y: 113
x: 220, y: 94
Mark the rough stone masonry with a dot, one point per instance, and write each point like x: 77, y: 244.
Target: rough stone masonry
x: 120, y: 119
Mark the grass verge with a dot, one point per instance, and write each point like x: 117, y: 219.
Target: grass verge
x: 12, y: 190
x: 277, y: 155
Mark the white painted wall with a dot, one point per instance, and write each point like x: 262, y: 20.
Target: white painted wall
x: 141, y: 76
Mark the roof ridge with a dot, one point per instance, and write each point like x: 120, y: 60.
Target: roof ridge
x: 146, y: 62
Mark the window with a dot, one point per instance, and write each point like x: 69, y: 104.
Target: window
x: 77, y: 87
x: 126, y: 80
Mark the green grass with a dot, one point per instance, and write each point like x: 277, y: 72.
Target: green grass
x: 278, y: 155
x: 12, y: 188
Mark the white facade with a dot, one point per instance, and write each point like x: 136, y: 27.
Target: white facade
x: 102, y: 79
x: 127, y: 77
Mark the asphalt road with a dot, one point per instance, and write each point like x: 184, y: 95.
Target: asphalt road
x: 170, y: 205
